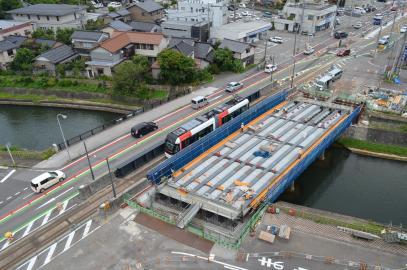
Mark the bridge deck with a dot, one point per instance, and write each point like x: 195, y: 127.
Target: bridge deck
x: 229, y: 176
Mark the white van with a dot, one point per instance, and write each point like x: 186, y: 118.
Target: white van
x: 336, y: 73
x: 46, y: 180
x: 199, y: 102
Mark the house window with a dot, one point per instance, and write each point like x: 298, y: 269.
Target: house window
x: 150, y: 47
x: 87, y: 45
x: 58, y: 18
x: 310, y: 17
x: 143, y: 14
x: 38, y: 17
x: 137, y: 46
x: 182, y: 8
x: 10, y: 52
x: 74, y: 15
x: 248, y: 50
x: 192, y: 10
x: 100, y: 71
x: 28, y: 16
x: 143, y: 46
x: 47, y: 18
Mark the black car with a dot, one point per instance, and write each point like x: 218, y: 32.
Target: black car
x: 340, y: 34
x: 143, y: 128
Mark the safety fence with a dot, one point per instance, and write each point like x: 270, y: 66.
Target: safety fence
x: 202, y: 232
x: 290, y: 177
x: 180, y: 159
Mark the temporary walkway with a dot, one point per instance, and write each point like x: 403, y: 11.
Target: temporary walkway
x: 237, y: 173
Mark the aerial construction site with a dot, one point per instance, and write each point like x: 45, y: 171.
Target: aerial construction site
x: 219, y: 182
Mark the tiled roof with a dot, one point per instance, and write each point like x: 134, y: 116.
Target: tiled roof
x: 234, y: 46
x: 58, y: 54
x: 120, y: 26
x: 122, y: 39
x: 184, y: 48
x: 6, y: 45
x: 202, y: 50
x: 87, y: 35
x: 143, y: 26
x: 46, y: 42
x: 47, y: 9
x: 147, y: 5
x: 18, y: 40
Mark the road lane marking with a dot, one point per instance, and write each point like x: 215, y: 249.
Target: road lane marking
x: 31, y: 263
x: 64, y: 205
x: 6, y: 244
x: 69, y: 241
x: 50, y: 253
x: 28, y: 228
x: 45, y: 220
x: 7, y: 176
x: 17, y: 193
x: 87, y: 228
x: 54, y: 198
x: 25, y: 197
x: 8, y: 198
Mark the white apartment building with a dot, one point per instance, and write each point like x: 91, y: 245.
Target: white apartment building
x: 51, y: 16
x: 307, y: 17
x: 213, y: 11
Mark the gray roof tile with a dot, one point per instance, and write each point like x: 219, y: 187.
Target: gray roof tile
x: 202, y: 50
x: 7, y: 45
x: 234, y: 46
x: 58, y: 54
x: 147, y: 5
x: 47, y: 9
x: 87, y: 35
x: 120, y: 26
x: 18, y: 40
x: 143, y: 26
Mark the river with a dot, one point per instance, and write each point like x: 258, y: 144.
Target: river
x: 36, y: 128
x: 354, y: 185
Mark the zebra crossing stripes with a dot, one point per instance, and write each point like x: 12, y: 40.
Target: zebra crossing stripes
x: 62, y: 245
x: 38, y: 222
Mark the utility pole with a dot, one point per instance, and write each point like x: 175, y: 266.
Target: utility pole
x: 111, y: 178
x: 209, y: 22
x: 265, y: 51
x: 9, y: 152
x: 334, y: 21
x: 296, y: 30
x: 90, y: 165
x: 388, y: 71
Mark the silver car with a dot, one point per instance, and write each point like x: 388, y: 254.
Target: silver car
x: 233, y: 86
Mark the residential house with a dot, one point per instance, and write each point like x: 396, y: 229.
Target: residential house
x: 116, y: 26
x: 84, y: 42
x: 146, y: 11
x: 18, y: 40
x: 242, y: 51
x: 122, y: 46
x: 213, y: 11
x: 145, y: 27
x: 119, y: 15
x: 8, y: 50
x: 305, y: 17
x: 9, y: 28
x: 49, y: 43
x: 48, y: 61
x: 51, y: 16
x: 202, y: 53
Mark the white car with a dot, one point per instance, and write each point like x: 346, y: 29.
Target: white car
x: 241, y: 5
x: 360, y: 10
x: 46, y: 180
x: 245, y: 13
x: 358, y: 25
x: 233, y: 86
x: 403, y: 29
x: 231, y: 16
x: 270, y: 68
x: 278, y: 40
x: 114, y: 5
x: 309, y: 51
x: 96, y: 4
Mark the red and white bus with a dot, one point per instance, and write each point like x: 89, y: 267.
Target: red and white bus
x: 197, y: 128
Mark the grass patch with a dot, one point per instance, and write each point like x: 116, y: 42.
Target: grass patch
x: 28, y: 154
x: 374, y: 147
x: 43, y: 82
x: 369, y: 227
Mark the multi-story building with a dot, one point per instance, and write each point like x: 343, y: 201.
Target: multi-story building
x: 122, y: 46
x: 213, y: 11
x: 307, y: 17
x: 51, y: 16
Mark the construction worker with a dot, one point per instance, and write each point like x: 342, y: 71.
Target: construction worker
x: 242, y: 127
x: 9, y: 236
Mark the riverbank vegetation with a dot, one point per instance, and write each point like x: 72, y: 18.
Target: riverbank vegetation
x: 373, y: 147
x: 20, y: 153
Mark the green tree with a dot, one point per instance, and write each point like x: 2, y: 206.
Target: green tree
x: 35, y: 47
x: 41, y: 33
x: 176, y: 68
x: 6, y: 5
x: 128, y: 78
x: 22, y: 62
x: 94, y: 25
x: 64, y: 35
x: 224, y: 60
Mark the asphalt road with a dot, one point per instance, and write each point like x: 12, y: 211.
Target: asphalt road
x: 25, y: 208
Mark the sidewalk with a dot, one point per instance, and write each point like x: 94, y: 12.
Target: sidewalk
x: 110, y: 134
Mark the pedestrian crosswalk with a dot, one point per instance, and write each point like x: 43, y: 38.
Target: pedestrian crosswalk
x: 62, y: 245
x: 38, y: 222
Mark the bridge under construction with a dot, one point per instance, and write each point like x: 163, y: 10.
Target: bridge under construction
x: 229, y: 173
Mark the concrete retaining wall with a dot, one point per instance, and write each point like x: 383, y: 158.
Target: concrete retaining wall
x: 85, y: 191
x: 376, y: 135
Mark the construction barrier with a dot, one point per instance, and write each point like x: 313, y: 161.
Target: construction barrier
x: 176, y: 162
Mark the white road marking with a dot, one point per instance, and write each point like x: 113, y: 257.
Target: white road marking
x: 3, y: 167
x: 8, y: 198
x: 17, y: 193
x: 32, y: 262
x: 1, y: 202
x: 28, y: 228
x: 53, y: 199
x: 215, y: 98
x: 7, y: 176
x: 69, y: 241
x: 87, y: 228
x: 226, y: 265
x: 64, y: 205
x: 45, y: 220
x: 50, y: 253
x: 6, y: 244
x: 28, y: 195
x: 25, y: 188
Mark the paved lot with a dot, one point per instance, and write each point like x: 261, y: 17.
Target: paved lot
x: 121, y: 243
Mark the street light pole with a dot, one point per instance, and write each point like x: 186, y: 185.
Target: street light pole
x: 295, y: 44
x: 63, y: 136
x: 111, y: 177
